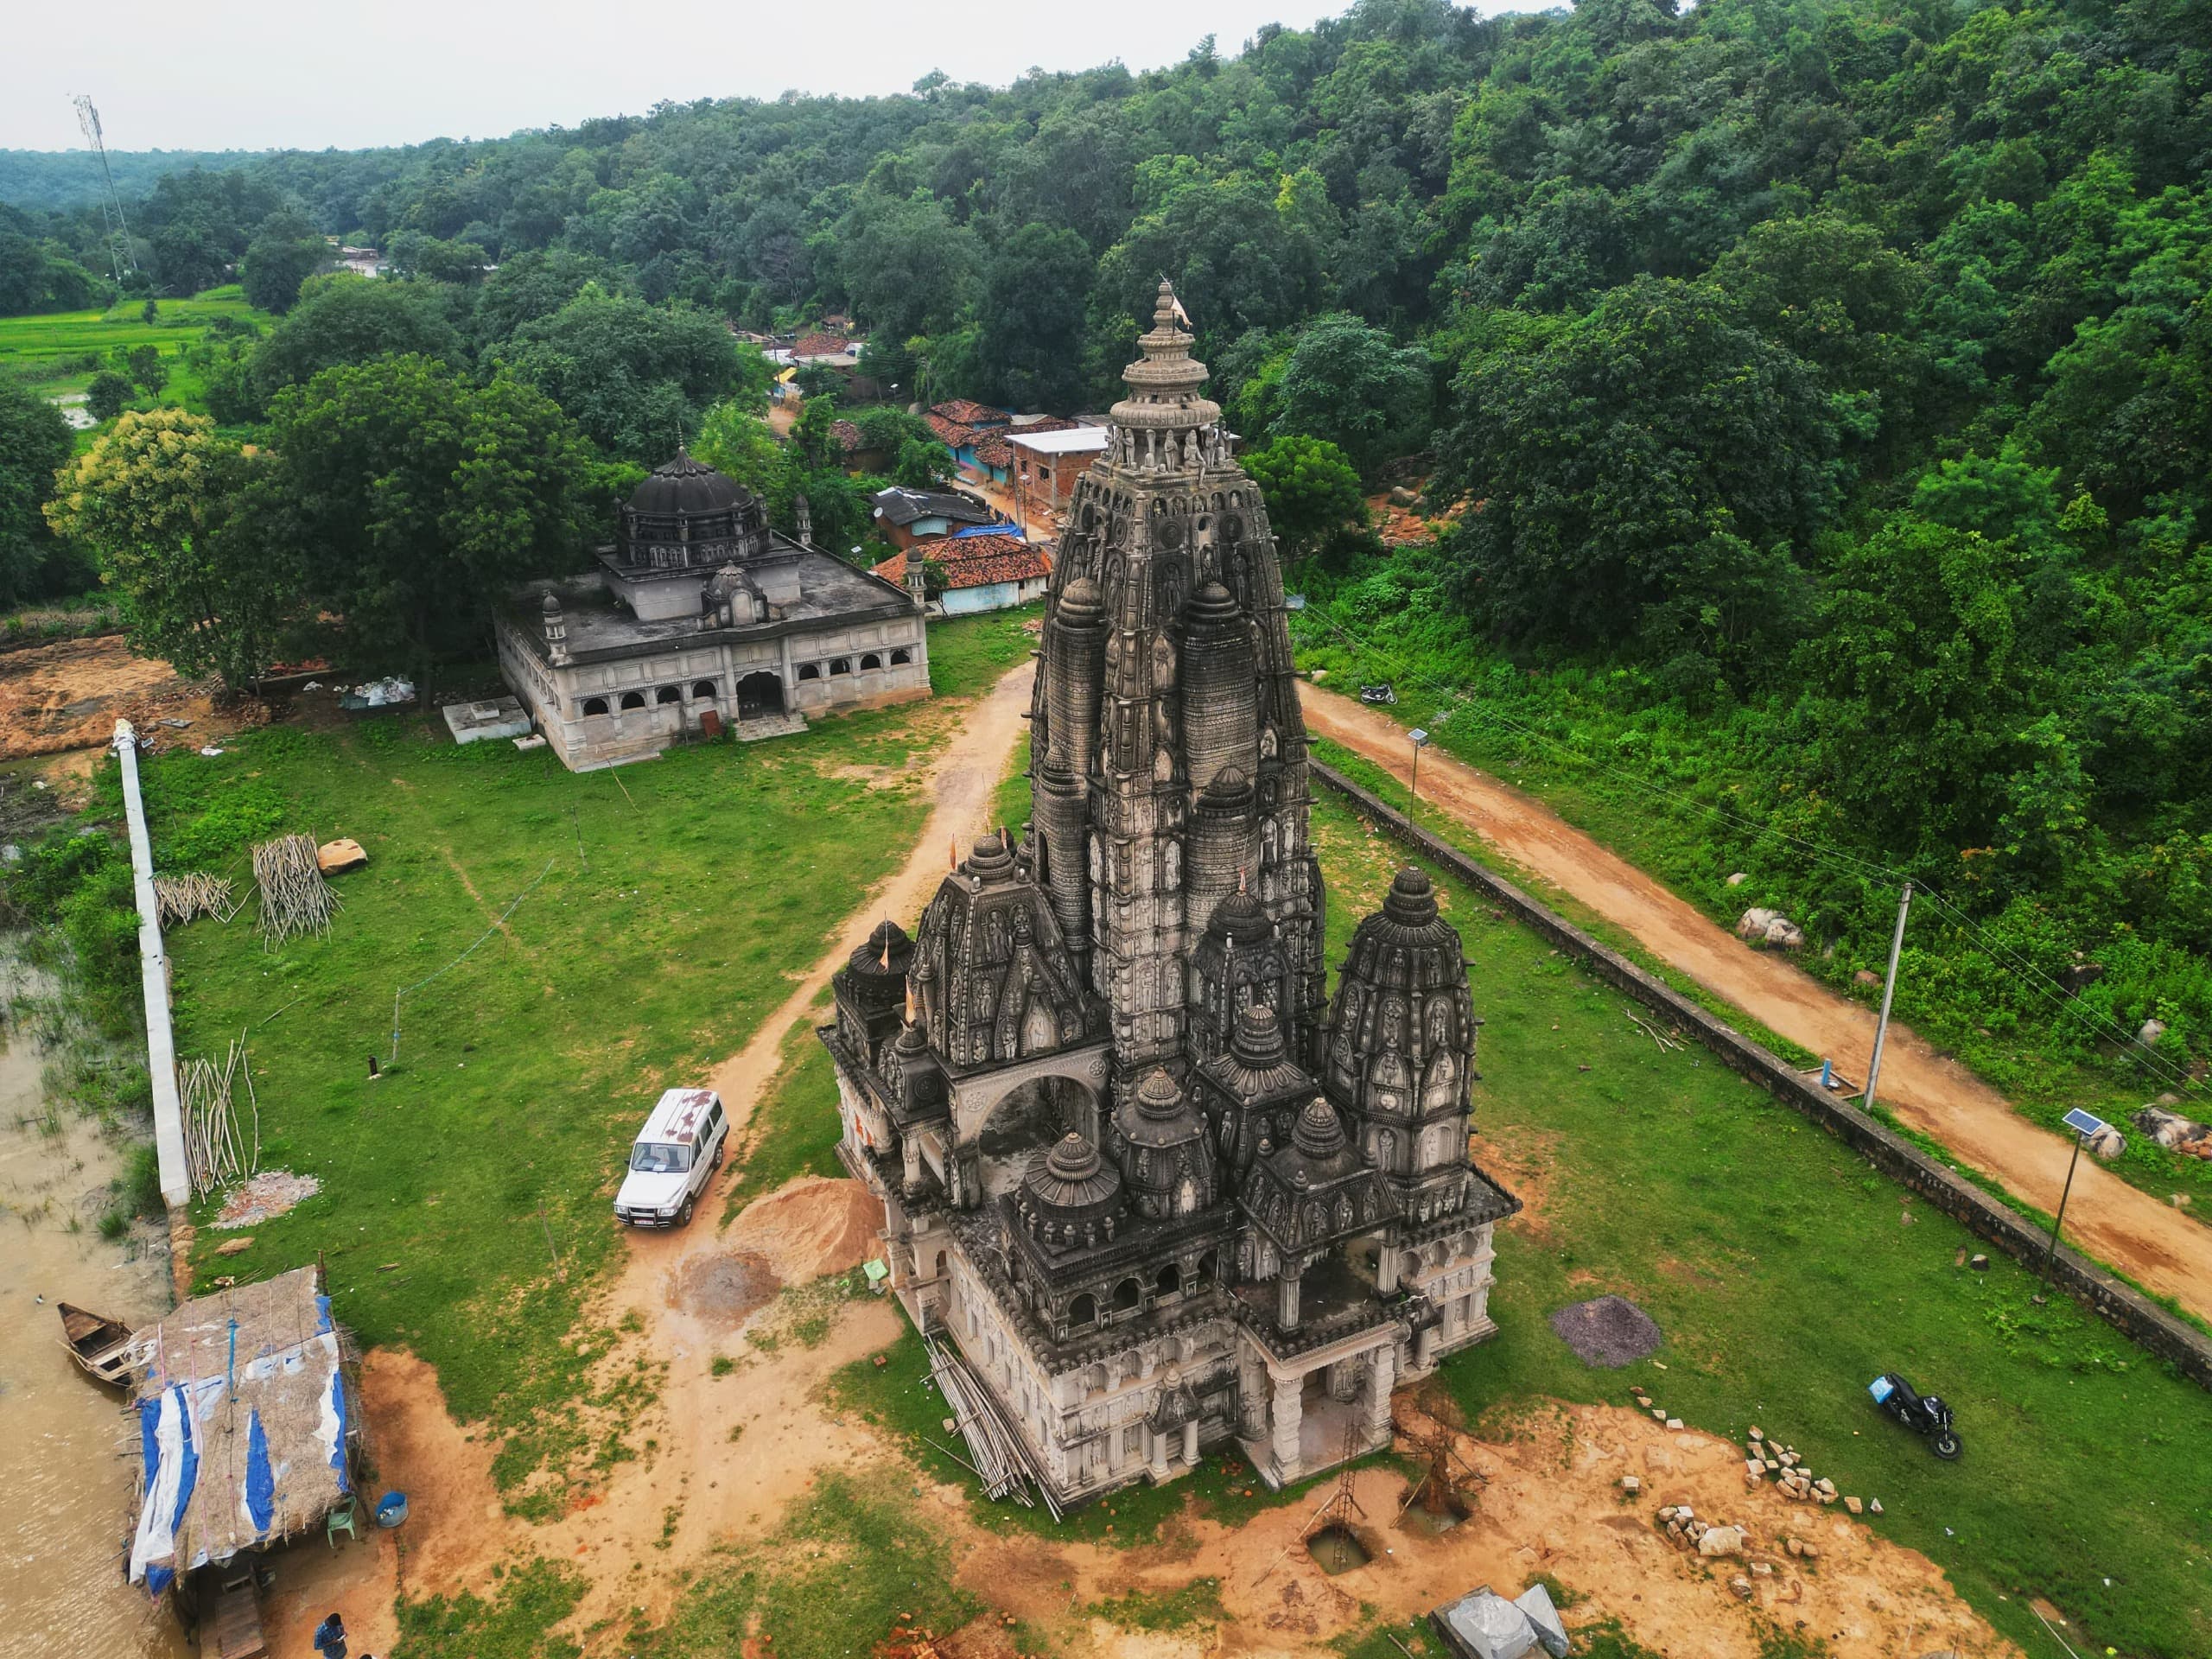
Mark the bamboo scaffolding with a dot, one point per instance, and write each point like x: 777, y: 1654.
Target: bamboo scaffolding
x: 183, y: 898
x: 216, y: 1152
x: 294, y: 899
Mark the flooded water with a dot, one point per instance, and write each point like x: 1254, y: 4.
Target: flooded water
x: 68, y: 1453
x: 1337, y: 1550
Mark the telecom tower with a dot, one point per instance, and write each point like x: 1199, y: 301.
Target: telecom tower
x: 118, y: 233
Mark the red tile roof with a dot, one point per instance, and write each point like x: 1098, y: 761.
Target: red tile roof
x: 975, y: 560
x: 847, y: 435
x: 993, y: 452
x: 1050, y: 424
x: 819, y: 345
x: 950, y: 432
x: 967, y: 412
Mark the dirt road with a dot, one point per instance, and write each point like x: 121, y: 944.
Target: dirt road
x: 962, y: 779
x: 2154, y: 1244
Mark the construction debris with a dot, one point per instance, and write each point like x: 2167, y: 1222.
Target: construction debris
x: 215, y: 1151
x: 182, y: 898
x: 294, y: 899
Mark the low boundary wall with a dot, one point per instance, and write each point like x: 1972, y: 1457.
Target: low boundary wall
x: 154, y: 983
x: 2122, y: 1305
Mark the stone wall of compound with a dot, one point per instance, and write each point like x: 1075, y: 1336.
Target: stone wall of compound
x: 2128, y: 1310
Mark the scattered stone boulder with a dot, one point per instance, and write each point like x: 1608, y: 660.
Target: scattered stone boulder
x: 1740, y: 1588
x: 1762, y: 926
x: 235, y: 1246
x: 1721, y: 1540
x: 1674, y: 1423
x: 1873, y: 1506
x: 2176, y: 1132
x: 1854, y: 1505
x: 2106, y: 1143
x: 1739, y: 878
x: 1631, y: 1485
x: 1979, y: 1262
x: 1536, y: 1605
x: 336, y: 857
x: 1401, y: 497
x: 2149, y: 1031
x: 1866, y: 976
x: 2081, y: 976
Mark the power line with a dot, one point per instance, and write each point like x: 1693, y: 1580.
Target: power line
x: 2065, y: 1001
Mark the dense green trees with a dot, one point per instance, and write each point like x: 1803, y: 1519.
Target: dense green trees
x: 636, y: 377
x: 412, y: 497
x: 33, y: 444
x: 168, y: 510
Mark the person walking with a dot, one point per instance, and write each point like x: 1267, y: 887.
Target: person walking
x: 330, y: 1637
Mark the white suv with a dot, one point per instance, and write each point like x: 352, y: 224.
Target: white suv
x: 674, y: 1157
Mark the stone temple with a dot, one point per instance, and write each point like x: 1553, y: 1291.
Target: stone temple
x: 1157, y: 1191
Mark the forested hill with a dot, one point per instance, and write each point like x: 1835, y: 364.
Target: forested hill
x: 1833, y: 376
x: 66, y: 180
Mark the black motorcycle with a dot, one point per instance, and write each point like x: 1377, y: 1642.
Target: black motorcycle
x: 1382, y: 694
x: 1923, y: 1413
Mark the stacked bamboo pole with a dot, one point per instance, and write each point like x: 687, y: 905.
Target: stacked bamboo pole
x: 999, y: 1460
x: 216, y: 1150
x: 195, y: 894
x: 294, y: 899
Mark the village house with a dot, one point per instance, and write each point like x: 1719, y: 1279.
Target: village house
x: 1049, y: 463
x: 907, y: 516
x: 1147, y: 1187
x: 981, y: 571
x: 700, y: 618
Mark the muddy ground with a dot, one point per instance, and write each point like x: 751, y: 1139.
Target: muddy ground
x: 67, y: 695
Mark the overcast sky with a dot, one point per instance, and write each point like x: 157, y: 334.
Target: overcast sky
x: 219, y: 74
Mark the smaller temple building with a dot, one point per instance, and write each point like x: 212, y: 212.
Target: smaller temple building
x: 700, y: 618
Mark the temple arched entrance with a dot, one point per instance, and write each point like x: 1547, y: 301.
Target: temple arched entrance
x: 760, y: 695
x: 1028, y: 1118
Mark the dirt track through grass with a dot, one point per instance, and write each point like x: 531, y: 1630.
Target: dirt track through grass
x: 2159, y: 1246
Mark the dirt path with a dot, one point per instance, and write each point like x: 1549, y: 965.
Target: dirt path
x: 962, y: 778
x: 2156, y: 1245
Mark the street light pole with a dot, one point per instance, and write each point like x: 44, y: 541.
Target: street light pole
x: 1889, y: 989
x: 2051, y: 1256
x: 1419, y: 742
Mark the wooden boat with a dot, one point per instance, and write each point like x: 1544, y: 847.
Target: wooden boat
x: 101, y: 1347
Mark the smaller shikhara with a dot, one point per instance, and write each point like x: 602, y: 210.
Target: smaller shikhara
x: 1152, y: 1193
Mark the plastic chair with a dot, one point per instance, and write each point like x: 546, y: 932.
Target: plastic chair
x: 338, y: 1521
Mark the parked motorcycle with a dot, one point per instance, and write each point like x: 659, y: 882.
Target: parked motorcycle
x: 1923, y: 1413
x: 1383, y: 694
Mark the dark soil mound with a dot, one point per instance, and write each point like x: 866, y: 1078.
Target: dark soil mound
x: 1609, y: 1332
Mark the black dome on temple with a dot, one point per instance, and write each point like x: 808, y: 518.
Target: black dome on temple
x: 687, y: 514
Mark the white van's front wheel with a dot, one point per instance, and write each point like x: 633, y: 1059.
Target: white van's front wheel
x: 684, y: 1215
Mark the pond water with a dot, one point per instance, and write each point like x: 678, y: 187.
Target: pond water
x: 68, y: 1451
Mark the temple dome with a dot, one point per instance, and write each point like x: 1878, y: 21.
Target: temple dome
x: 1243, y: 917
x: 885, y: 952
x: 1070, y: 1177
x: 688, y: 488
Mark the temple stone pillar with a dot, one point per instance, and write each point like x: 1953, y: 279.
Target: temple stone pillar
x: 1288, y: 1413
x: 1114, y: 1450
x: 1286, y: 1298
x: 1191, y: 1443
x: 1386, y: 1270
x: 1381, y: 1377
x: 1251, y: 1397
x: 1425, y: 1348
x: 1343, y: 1380
x: 1156, y: 1444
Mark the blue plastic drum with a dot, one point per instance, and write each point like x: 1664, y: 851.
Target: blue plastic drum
x: 391, y: 1509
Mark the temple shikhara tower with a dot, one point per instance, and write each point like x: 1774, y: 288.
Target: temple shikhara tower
x: 1143, y: 1177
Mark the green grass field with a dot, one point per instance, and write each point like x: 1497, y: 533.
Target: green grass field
x: 656, y: 910
x: 44, y: 350
x: 1780, y: 1267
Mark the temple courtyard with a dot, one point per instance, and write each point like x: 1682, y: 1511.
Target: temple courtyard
x: 717, y: 1440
